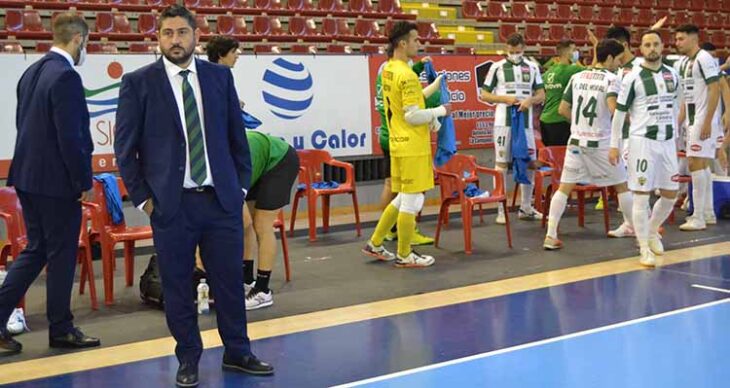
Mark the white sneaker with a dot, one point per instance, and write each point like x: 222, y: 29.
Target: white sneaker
x: 379, y: 253
x: 656, y: 246
x: 530, y: 214
x: 414, y: 260
x: 625, y: 230
x: 685, y: 204
x: 648, y: 259
x: 500, y: 219
x: 248, y: 287
x: 710, y: 218
x: 257, y: 300
x: 16, y: 322
x: 693, y: 224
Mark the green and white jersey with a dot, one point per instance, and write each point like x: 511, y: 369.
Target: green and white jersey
x: 587, y: 93
x: 697, y: 73
x: 650, y: 97
x: 506, y: 78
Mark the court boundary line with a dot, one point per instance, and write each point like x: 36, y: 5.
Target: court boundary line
x: 703, y: 287
x: 528, y: 345
x: 162, y: 347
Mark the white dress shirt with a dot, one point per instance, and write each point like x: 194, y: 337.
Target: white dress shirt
x: 64, y: 54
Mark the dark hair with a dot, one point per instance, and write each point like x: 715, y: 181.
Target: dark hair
x: 619, y: 33
x: 651, y: 32
x: 219, y: 46
x: 688, y: 29
x: 608, y: 47
x: 707, y: 46
x: 68, y: 24
x: 515, y: 40
x: 563, y: 45
x: 399, y: 32
x: 177, y: 11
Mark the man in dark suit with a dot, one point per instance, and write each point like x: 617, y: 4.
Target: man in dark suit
x: 182, y: 152
x: 51, y: 172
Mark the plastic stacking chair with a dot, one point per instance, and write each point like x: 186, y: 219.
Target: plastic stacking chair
x: 280, y: 226
x: 108, y: 235
x: 554, y: 157
x: 311, y: 172
x: 452, y: 185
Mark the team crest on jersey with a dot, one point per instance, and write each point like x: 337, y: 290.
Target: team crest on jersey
x: 642, y: 181
x: 525, y: 73
x: 696, y: 147
x: 501, y: 154
x: 669, y: 81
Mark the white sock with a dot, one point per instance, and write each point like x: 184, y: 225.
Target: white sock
x: 526, y: 192
x: 626, y: 203
x: 662, y: 208
x: 709, y: 194
x: 699, y: 187
x: 503, y: 171
x: 641, y: 220
x: 557, y: 208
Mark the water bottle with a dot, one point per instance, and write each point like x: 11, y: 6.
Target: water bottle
x: 203, y: 300
x: 3, y: 274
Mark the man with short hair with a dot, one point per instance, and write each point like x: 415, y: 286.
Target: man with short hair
x: 700, y: 74
x: 51, y: 173
x: 514, y: 82
x: 555, y: 129
x: 649, y: 95
x: 588, y: 102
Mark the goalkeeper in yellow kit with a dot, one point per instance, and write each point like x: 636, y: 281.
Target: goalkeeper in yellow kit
x: 410, y: 125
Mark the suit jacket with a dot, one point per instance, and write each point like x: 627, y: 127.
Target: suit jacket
x: 150, y: 145
x: 53, y: 146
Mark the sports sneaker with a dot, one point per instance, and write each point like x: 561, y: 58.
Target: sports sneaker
x: 248, y: 287
x: 599, y: 205
x: 655, y: 245
x: 710, y: 218
x: 648, y: 259
x: 420, y: 239
x: 379, y: 253
x: 552, y: 244
x: 259, y: 299
x: 625, y: 230
x: 16, y: 322
x: 693, y: 224
x: 391, y: 236
x: 414, y: 260
x: 501, y: 220
x: 530, y: 215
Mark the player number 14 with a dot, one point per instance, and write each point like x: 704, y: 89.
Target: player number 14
x: 589, y: 111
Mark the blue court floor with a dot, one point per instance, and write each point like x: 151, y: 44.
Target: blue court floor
x: 652, y: 328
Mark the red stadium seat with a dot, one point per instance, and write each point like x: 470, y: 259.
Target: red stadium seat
x: 471, y: 9
x: 533, y: 34
x: 102, y: 48
x: 306, y: 30
x: 645, y: 17
x: 428, y: 32
x: 464, y: 50
x: 682, y: 5
x: 371, y: 49
x: 585, y: 13
x: 43, y: 47
x: 626, y: 16
x: 606, y: 15
x: 495, y: 12
x: 143, y: 47
x: 303, y: 49
x: 11, y: 47
x: 680, y: 18
x: 202, y: 23
x: 147, y: 24
x: 330, y: 6
x: 718, y: 39
x: 519, y: 12
x: 235, y: 26
x: 369, y: 30
x: 579, y: 34
x: 564, y: 14
x: 115, y: 26
x: 505, y: 30
x: 541, y: 13
x: 300, y: 5
x: 270, y: 29
x: 266, y: 49
x: 234, y: 4
x: 556, y: 33
x: 339, y: 49
x: 360, y: 6
x: 25, y: 24
x: 336, y: 28
x: 390, y: 7
x: 267, y: 5
x: 698, y: 19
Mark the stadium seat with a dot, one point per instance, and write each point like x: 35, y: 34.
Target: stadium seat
x: 147, y: 25
x: 102, y: 48
x: 664, y: 5
x: 310, y: 172
x: 338, y: 49
x: 266, y: 49
x: 556, y: 33
x: 606, y: 15
x: 505, y: 30
x: 369, y: 30
x: 680, y: 18
x: 115, y: 26
x: 519, y: 12
x: 644, y: 18
x: 331, y: 6
x: 564, y: 14
x: 203, y: 6
x: 360, y: 6
x: 533, y: 34
x: 202, y: 23
x: 540, y: 13
x: 25, y: 24
x: 626, y: 16
x: 428, y: 32
x: 305, y: 29
x: 391, y: 8
x: 235, y: 5
x: 271, y: 7
x: 579, y: 34
x: 698, y: 19
x: 717, y: 20
x: 681, y: 5
x: 236, y: 27
x: 371, y: 49
x: 714, y: 6
x: 269, y: 28
x: 43, y: 47
x: 586, y: 14
x: 718, y: 39
x: 11, y: 47
x: 129, y: 5
x: 301, y: 6
x: 471, y: 9
x: 339, y: 29
x: 303, y: 49
x: 495, y: 12
x: 461, y: 50
x: 143, y: 47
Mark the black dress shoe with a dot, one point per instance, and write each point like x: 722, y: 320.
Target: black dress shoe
x: 187, y: 375
x: 74, y: 339
x: 247, y: 364
x: 8, y: 346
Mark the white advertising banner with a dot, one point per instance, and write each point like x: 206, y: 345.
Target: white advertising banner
x: 311, y: 102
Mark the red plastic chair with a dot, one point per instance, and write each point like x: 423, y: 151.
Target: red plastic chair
x: 471, y: 9
x: 495, y: 12
x: 108, y: 235
x: 311, y: 172
x: 202, y: 23
x: 143, y: 47
x: 12, y: 214
x: 390, y: 7
x: 25, y: 24
x: 564, y: 13
x: 360, y: 6
x: 555, y: 157
x: 300, y: 5
x: 519, y: 12
x: 452, y: 185
x: 11, y: 47
x: 280, y: 226
x: 147, y: 24
x: 267, y: 5
x: 606, y: 15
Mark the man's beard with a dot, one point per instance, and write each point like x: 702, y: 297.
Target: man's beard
x: 179, y: 60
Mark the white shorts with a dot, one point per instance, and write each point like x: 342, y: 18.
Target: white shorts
x: 590, y: 165
x: 697, y: 148
x: 652, y: 164
x: 503, y: 144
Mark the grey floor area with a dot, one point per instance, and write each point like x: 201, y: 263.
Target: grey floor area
x: 333, y: 273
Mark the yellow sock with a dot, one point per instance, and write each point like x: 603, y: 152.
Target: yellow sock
x: 406, y: 230
x: 385, y: 224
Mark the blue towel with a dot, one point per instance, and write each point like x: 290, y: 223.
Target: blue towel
x: 320, y: 185
x: 113, y: 197
x: 447, y: 134
x: 249, y: 121
x: 520, y: 151
x: 470, y: 191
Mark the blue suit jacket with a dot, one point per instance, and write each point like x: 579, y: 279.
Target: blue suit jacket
x: 150, y: 145
x: 53, y: 146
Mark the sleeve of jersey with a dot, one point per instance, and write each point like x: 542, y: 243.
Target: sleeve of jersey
x: 626, y: 96
x: 614, y: 87
x: 709, y: 69
x: 537, y: 83
x: 490, y: 82
x: 568, y: 93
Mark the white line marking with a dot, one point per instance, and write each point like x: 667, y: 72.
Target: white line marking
x: 533, y: 344
x: 724, y: 291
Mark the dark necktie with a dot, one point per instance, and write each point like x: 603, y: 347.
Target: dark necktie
x: 196, y: 152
